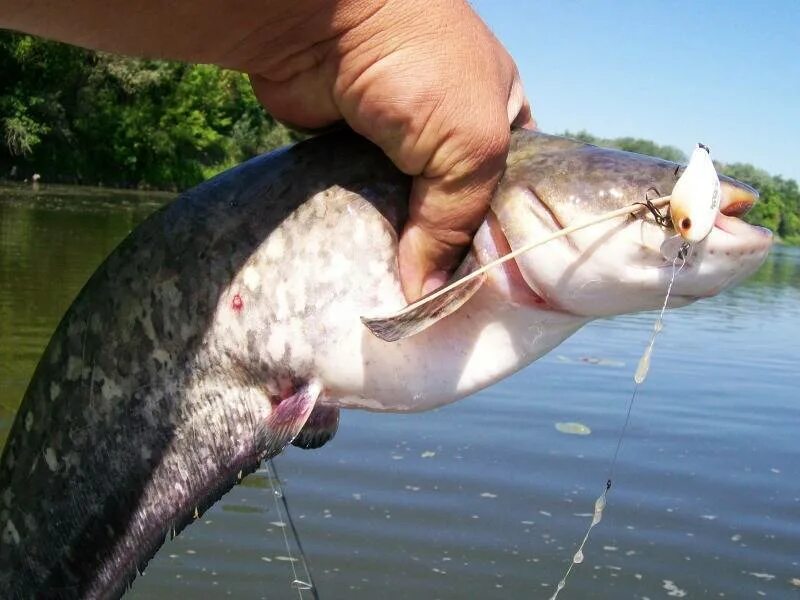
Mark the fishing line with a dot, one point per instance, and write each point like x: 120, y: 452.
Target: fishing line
x: 280, y: 498
x: 638, y: 378
x: 693, y: 208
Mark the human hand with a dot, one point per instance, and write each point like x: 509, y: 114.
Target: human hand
x: 428, y: 83
x: 423, y: 79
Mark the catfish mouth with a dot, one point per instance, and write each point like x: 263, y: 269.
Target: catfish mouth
x: 737, y: 200
x: 732, y: 239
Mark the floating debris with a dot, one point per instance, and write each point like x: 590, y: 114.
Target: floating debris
x: 673, y: 590
x: 591, y: 360
x: 428, y: 454
x: 286, y: 558
x: 488, y: 495
x: 573, y: 428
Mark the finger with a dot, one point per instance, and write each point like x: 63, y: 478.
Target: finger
x: 302, y: 102
x: 445, y: 212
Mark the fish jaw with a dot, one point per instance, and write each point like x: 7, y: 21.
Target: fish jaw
x: 617, y: 266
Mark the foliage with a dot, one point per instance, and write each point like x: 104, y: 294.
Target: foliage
x: 778, y: 208
x: 89, y: 117
x: 779, y: 205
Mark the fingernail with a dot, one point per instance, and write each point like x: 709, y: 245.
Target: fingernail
x: 434, y: 281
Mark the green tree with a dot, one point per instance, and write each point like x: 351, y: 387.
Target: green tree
x: 90, y: 117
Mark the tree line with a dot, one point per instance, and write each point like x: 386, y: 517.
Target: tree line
x: 77, y: 116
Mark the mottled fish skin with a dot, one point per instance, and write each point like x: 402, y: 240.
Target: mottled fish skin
x: 138, y: 414
x: 229, y: 324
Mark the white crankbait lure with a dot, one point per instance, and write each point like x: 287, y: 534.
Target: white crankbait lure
x: 696, y: 197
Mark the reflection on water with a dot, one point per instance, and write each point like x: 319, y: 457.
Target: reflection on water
x: 487, y: 498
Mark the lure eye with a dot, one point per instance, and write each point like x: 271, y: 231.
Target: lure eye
x: 686, y: 223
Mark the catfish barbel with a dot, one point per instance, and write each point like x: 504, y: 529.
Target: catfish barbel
x: 228, y: 325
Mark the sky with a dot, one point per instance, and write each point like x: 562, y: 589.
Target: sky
x: 723, y: 73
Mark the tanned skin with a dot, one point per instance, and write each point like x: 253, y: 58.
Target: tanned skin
x: 424, y: 79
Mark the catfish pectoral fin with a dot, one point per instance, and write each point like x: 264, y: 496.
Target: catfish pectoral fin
x: 290, y: 415
x: 423, y: 313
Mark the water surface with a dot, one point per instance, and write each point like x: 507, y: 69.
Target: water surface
x: 486, y: 498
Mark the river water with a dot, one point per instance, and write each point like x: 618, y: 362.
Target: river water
x: 486, y: 498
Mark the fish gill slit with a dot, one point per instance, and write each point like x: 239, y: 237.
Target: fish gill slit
x: 553, y: 218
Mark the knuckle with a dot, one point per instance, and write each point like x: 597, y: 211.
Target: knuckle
x: 488, y: 146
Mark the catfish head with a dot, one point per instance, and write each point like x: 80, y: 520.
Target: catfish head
x: 472, y: 334
x: 616, y: 266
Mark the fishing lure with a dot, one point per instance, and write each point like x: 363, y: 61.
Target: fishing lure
x: 695, y: 201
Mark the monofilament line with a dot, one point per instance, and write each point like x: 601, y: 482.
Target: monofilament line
x: 631, y: 209
x: 641, y: 374
x: 280, y: 498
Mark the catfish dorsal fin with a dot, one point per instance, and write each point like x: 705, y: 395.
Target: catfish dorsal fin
x: 429, y: 309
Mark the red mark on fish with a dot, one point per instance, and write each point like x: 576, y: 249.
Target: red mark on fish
x: 237, y: 303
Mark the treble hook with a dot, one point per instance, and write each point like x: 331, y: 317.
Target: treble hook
x: 660, y: 219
